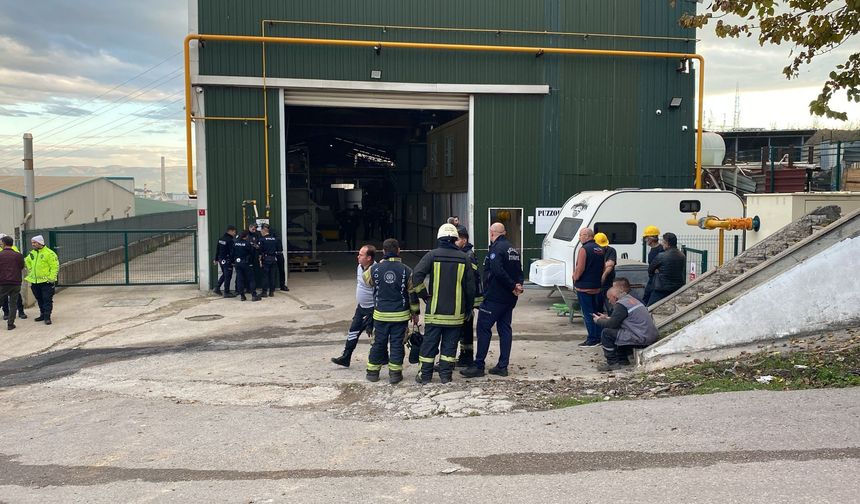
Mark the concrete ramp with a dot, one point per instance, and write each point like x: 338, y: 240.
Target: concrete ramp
x: 810, y: 286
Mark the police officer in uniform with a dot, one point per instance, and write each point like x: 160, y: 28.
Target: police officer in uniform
x: 224, y: 259
x: 467, y: 334
x: 394, y: 304
x: 503, y: 283
x: 449, y: 295
x: 244, y: 255
x: 282, y: 271
x: 269, y: 246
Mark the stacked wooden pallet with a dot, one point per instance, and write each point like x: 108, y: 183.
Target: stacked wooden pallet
x: 851, y: 178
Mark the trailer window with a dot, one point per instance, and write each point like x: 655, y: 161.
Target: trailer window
x: 690, y: 206
x: 568, y: 229
x: 619, y: 233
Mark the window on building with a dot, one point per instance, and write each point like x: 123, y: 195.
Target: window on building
x: 619, y: 233
x: 449, y: 156
x: 690, y: 206
x: 568, y: 229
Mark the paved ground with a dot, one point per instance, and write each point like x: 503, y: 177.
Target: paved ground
x: 128, y: 398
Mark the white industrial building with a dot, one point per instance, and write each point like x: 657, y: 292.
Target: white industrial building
x: 65, y: 201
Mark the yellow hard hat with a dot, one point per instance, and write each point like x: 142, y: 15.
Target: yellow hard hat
x: 651, y: 231
x: 601, y: 239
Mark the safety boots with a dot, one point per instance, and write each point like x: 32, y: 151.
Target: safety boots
x: 242, y: 297
x: 255, y: 297
x: 346, y: 356
x: 372, y: 376
x: 218, y: 292
x: 395, y: 377
x: 465, y: 360
x: 228, y: 294
x: 271, y: 292
x: 446, y: 369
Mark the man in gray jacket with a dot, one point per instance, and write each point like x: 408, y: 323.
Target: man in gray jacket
x: 630, y: 326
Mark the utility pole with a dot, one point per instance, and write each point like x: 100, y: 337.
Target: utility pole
x: 736, y: 123
x: 29, y: 184
x: 163, y: 180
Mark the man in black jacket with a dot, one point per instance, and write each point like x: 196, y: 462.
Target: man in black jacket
x: 668, y: 269
x: 244, y: 254
x: 503, y: 283
x: 449, y: 296
x: 467, y: 334
x: 224, y: 259
x: 269, y: 246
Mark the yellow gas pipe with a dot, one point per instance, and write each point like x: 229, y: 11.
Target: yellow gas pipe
x: 714, y: 222
x: 418, y: 45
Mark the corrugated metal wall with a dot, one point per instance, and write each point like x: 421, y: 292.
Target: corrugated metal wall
x: 597, y: 128
x: 235, y: 162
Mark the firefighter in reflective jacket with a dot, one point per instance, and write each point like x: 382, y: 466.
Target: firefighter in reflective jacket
x: 449, y: 296
x: 467, y: 334
x: 393, y: 306
x: 224, y: 259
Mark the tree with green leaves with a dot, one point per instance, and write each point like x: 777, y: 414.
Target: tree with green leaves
x: 815, y: 27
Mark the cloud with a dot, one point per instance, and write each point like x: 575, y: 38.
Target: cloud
x: 13, y: 112
x: 66, y: 110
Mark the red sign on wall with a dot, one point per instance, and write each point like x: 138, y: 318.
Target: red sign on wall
x: 201, y: 212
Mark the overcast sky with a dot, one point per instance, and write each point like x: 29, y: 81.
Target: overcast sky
x: 64, y: 66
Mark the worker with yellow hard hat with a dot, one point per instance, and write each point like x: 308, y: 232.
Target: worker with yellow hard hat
x: 652, y: 240
x: 610, y: 259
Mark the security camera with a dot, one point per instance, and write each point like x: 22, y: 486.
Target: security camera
x: 199, y: 89
x: 659, y: 112
x: 684, y: 128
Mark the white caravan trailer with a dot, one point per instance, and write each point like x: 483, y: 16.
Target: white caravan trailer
x: 623, y: 216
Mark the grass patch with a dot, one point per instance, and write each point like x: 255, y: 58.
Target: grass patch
x: 567, y: 402
x: 800, y: 370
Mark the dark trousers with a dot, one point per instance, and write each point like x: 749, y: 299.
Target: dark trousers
x: 44, y: 294
x: 245, y: 279
x: 443, y: 340
x: 588, y: 305
x: 649, y: 288
x: 10, y: 295
x: 387, y: 335
x: 361, y: 321
x: 500, y: 315
x: 226, y: 276
x: 657, y: 296
x: 282, y: 272
x: 270, y: 274
x: 467, y: 339
x: 20, y: 303
x: 614, y: 353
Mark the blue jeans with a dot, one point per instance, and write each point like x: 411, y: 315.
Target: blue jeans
x: 588, y: 303
x: 500, y: 315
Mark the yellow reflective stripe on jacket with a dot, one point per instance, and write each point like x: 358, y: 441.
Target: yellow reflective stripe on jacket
x: 447, y: 358
x: 437, y: 272
x: 414, y: 308
x: 478, y: 301
x: 458, y: 306
x: 445, y: 320
x: 395, y: 367
x: 367, y: 277
x: 431, y: 360
x: 400, y: 316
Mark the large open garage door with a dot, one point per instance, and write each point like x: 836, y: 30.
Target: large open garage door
x: 364, y: 166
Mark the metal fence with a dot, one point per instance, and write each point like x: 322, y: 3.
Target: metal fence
x: 154, y: 249
x: 705, y: 249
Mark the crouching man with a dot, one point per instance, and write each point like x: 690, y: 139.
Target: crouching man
x: 630, y: 326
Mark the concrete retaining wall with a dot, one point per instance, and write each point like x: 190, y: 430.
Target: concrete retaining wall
x: 817, y: 294
x: 77, y: 271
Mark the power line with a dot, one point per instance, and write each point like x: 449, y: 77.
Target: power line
x: 144, y: 72
x: 79, y: 122
x: 84, y: 147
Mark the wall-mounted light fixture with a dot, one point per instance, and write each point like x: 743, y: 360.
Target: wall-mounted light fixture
x: 347, y: 187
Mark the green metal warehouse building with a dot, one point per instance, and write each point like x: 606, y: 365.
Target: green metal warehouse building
x: 405, y: 137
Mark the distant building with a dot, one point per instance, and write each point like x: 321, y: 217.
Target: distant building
x: 65, y: 201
